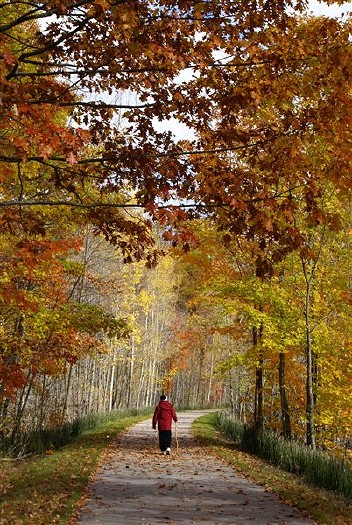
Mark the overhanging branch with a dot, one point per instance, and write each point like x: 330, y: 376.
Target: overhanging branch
x: 68, y: 203
x: 92, y: 104
x: 21, y: 203
x: 131, y: 154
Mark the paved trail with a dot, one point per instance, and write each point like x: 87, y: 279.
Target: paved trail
x: 136, y: 485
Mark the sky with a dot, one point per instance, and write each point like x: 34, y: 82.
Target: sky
x: 180, y: 131
x: 319, y: 9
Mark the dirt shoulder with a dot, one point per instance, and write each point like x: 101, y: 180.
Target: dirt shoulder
x: 136, y: 485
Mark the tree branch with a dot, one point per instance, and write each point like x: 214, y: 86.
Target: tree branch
x: 103, y: 204
x: 102, y: 160
x: 99, y: 105
x: 37, y: 13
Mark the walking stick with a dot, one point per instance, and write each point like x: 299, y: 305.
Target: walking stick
x: 176, y: 438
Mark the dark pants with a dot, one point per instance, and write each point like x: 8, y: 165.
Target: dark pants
x: 164, y: 439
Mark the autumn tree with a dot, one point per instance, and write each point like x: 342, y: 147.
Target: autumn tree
x: 43, y: 138
x: 206, y: 335
x: 276, y: 138
x: 279, y: 126
x: 139, y: 48
x: 242, y: 58
x: 325, y: 301
x: 257, y: 102
x: 223, y: 295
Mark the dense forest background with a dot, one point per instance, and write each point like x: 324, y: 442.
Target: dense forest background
x: 215, y: 268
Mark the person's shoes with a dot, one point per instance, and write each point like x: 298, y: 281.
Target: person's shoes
x: 163, y: 452
x: 168, y: 451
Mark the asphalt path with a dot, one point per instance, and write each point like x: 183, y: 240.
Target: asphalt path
x: 136, y: 485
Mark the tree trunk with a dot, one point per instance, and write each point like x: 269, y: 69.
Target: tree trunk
x: 21, y: 407
x: 285, y: 411
x: 310, y: 390
x: 111, y: 386
x: 210, y: 384
x: 130, y: 373
x: 259, y: 381
x: 67, y: 390
x: 310, y: 428
x: 232, y: 398
x: 90, y: 400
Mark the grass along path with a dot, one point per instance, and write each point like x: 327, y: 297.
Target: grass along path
x: 46, y: 489
x: 324, y: 507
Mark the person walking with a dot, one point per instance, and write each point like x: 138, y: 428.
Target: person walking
x: 163, y: 416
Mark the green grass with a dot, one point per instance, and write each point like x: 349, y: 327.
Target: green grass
x: 37, y: 442
x: 46, y: 489
x: 323, y: 506
x: 314, y: 466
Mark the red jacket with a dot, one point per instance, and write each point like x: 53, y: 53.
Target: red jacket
x: 163, y: 415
